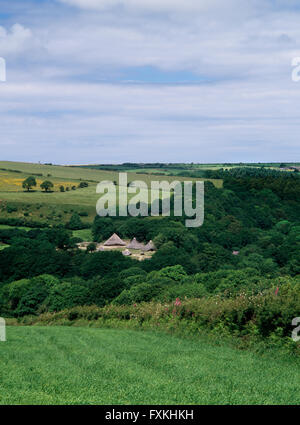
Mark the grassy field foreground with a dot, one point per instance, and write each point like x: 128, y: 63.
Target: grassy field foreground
x: 63, y: 365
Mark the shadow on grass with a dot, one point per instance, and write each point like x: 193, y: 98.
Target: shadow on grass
x: 39, y: 191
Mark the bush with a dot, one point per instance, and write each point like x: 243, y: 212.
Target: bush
x: 83, y: 184
x: 75, y: 223
x: 10, y: 209
x: 65, y: 295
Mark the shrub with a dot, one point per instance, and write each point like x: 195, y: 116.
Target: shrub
x: 10, y: 209
x: 65, y: 295
x: 75, y: 223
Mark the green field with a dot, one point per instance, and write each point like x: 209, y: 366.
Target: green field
x: 67, y: 174
x: 57, y: 207
x: 84, y: 234
x: 5, y: 226
x: 67, y: 365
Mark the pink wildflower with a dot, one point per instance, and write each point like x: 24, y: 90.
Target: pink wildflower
x: 276, y: 291
x: 177, y: 302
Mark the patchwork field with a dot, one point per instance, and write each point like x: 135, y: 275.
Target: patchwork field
x: 58, y: 206
x: 65, y: 365
x: 69, y: 175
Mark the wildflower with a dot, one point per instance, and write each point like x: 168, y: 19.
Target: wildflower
x: 276, y: 291
x: 177, y: 302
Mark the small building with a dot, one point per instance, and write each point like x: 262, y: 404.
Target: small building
x: 134, y: 244
x: 114, y: 240
x: 127, y: 253
x: 149, y: 247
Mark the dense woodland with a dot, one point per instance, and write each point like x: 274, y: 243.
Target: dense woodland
x: 249, y: 243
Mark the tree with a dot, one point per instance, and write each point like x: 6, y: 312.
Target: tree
x: 66, y: 295
x: 47, y: 185
x: 61, y: 188
x: 29, y: 183
x: 91, y: 247
x: 75, y: 223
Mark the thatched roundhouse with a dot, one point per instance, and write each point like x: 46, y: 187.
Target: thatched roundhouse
x: 149, y: 247
x: 114, y: 240
x: 126, y: 252
x: 134, y: 244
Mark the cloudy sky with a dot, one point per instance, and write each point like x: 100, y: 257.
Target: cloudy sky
x: 109, y: 81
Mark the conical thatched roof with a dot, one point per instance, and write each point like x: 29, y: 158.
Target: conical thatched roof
x: 134, y: 244
x: 126, y: 252
x: 114, y: 240
x: 149, y: 247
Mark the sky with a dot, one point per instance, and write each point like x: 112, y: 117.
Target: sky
x: 112, y: 81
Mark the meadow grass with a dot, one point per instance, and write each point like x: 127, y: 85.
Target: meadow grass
x: 84, y: 234
x: 66, y: 365
x: 78, y: 173
x: 5, y: 226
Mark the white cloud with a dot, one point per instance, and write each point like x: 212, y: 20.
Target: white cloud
x: 210, y: 47
x: 245, y: 108
x: 154, y: 5
x: 14, y: 40
x: 109, y: 123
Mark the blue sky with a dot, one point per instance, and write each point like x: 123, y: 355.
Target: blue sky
x: 108, y: 81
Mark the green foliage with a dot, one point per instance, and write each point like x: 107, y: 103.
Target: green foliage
x: 267, y: 314
x: 248, y: 245
x: 132, y: 271
x: 176, y: 273
x: 29, y: 183
x: 66, y: 295
x: 10, y: 209
x: 47, y: 185
x: 75, y: 223
x: 91, y: 247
